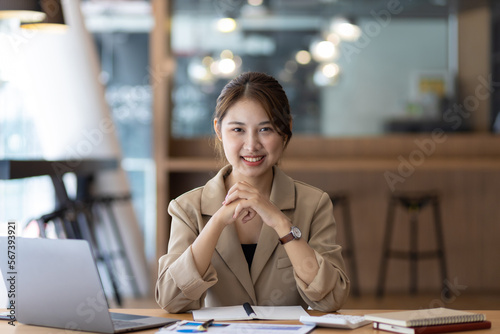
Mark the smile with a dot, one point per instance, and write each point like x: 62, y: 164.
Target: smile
x: 253, y: 159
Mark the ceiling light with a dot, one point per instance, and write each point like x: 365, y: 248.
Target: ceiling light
x: 35, y: 14
x: 326, y: 74
x: 24, y: 16
x: 223, y: 68
x: 330, y: 70
x: 52, y: 27
x: 255, y: 2
x: 26, y: 11
x: 303, y: 57
x: 346, y: 29
x: 226, y: 66
x: 334, y: 38
x: 226, y: 54
x: 237, y: 61
x: 323, y: 51
x: 226, y: 25
x: 199, y: 71
x: 207, y: 61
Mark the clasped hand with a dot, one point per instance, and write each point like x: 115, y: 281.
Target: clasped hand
x: 244, y: 202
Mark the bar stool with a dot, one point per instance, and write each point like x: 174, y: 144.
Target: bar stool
x: 76, y: 222
x: 413, y: 203
x: 342, y: 200
x: 64, y: 223
x: 103, y: 209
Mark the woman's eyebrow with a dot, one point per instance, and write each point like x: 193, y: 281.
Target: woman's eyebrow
x: 235, y: 123
x: 243, y: 123
x: 238, y: 123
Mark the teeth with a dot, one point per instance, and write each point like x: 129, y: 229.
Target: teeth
x: 252, y: 159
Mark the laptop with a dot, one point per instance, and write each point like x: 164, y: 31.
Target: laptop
x: 58, y: 285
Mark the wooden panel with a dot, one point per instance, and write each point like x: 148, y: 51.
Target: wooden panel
x: 470, y: 219
x: 435, y: 145
x: 474, y: 72
x: 195, y: 147
x: 159, y: 78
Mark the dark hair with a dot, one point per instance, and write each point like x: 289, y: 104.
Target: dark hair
x: 263, y: 89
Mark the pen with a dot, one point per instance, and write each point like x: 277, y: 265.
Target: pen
x: 249, y: 310
x: 204, y: 326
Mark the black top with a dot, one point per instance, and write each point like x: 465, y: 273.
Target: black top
x: 249, y: 251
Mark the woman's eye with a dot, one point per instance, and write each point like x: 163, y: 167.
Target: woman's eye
x: 237, y: 129
x: 266, y: 129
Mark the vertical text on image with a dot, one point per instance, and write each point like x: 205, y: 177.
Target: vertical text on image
x: 11, y: 276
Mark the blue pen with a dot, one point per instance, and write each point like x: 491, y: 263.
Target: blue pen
x: 204, y: 326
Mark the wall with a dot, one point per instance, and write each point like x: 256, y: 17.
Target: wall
x: 359, y: 104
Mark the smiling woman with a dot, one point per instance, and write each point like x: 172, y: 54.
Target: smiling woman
x: 252, y: 202
x: 249, y: 138
x: 274, y: 108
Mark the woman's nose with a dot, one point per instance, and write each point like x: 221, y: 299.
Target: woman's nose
x: 252, y: 142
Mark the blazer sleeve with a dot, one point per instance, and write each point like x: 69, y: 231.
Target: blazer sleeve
x: 180, y: 287
x: 330, y: 288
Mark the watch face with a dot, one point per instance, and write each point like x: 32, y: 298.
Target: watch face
x: 296, y: 232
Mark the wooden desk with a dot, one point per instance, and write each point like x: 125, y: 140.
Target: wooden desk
x: 83, y: 169
x: 5, y: 328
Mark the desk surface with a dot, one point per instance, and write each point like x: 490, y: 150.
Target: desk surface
x: 17, y: 169
x: 5, y: 328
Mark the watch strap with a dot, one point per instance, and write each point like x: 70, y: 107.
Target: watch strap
x: 287, y: 238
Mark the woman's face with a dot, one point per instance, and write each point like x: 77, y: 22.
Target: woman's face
x: 251, y: 145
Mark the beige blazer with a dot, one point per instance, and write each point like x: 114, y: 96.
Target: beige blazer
x: 271, y: 279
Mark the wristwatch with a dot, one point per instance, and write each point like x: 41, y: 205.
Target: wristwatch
x: 293, y: 235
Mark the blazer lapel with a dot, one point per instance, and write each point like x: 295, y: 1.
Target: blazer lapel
x: 228, y: 246
x: 283, y: 196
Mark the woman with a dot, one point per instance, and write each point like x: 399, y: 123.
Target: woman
x: 252, y: 234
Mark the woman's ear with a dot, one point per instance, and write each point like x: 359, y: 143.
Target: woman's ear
x: 216, y: 128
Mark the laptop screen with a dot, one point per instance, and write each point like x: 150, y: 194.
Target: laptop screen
x: 58, y: 285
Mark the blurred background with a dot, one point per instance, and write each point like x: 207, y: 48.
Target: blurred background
x: 386, y: 95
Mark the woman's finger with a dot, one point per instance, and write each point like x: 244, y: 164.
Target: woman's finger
x: 241, y: 186
x: 249, y: 216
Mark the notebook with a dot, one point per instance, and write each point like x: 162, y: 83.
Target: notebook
x: 57, y: 285
x: 460, y: 327
x: 425, y: 317
x: 247, y: 312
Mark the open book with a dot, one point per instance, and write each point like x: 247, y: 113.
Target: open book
x: 247, y: 312
x: 425, y: 317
